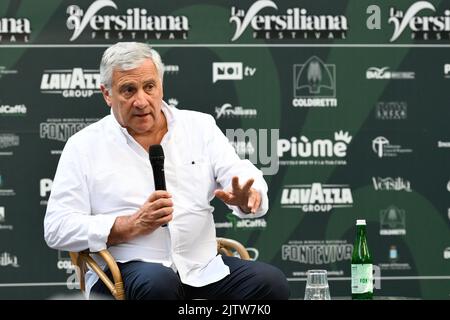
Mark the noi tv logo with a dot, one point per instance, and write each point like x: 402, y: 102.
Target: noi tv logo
x: 231, y: 71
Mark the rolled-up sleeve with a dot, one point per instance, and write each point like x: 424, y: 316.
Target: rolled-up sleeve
x: 226, y: 164
x: 68, y: 223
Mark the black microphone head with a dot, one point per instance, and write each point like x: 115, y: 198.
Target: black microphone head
x: 156, y: 153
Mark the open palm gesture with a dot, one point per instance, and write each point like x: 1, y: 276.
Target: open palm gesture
x: 244, y: 196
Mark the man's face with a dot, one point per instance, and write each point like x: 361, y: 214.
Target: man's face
x: 136, y: 98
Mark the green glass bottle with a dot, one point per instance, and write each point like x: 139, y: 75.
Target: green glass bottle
x: 362, y: 267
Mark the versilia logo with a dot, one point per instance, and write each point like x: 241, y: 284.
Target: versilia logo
x: 422, y: 27
x: 71, y: 83
x: 227, y: 111
x: 388, y: 183
x: 296, y: 23
x: 316, y: 197
x: 134, y: 24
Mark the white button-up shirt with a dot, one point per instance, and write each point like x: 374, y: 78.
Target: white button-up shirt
x: 104, y: 173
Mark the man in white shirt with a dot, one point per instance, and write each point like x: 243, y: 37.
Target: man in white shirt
x: 103, y: 194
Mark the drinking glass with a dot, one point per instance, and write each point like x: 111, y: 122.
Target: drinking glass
x: 317, y: 285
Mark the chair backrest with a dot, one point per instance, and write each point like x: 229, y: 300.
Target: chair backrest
x: 83, y: 259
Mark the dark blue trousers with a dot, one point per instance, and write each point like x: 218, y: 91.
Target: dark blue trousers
x: 248, y: 280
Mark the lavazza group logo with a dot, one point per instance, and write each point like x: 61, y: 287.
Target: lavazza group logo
x: 314, y: 84
x: 134, y: 24
x: 71, y: 83
x: 316, y: 197
x: 294, y: 23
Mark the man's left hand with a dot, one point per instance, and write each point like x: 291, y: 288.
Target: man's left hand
x: 244, y: 196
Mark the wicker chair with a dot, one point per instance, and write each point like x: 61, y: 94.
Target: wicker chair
x: 83, y: 259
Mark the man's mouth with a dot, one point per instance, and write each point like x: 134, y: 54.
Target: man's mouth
x: 142, y: 115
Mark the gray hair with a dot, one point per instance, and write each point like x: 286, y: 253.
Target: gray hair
x: 126, y: 56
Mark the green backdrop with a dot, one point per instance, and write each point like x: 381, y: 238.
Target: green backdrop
x: 352, y: 97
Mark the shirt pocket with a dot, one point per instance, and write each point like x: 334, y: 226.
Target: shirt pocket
x: 195, y: 182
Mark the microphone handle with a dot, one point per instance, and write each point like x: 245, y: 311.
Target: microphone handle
x: 160, y: 181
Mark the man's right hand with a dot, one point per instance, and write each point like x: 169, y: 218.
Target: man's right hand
x: 155, y: 212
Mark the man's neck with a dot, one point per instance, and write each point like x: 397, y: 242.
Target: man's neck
x: 152, y: 137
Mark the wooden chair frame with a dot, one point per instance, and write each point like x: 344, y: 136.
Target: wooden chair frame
x: 83, y: 259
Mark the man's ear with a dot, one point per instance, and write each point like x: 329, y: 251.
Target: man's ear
x: 106, y: 95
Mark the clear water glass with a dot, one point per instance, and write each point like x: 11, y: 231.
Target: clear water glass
x: 317, y: 285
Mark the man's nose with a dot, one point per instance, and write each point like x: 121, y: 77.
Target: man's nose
x: 139, y: 100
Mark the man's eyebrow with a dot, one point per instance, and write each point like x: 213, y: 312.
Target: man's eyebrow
x: 126, y: 84
x: 149, y: 81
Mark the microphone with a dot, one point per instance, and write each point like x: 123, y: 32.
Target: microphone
x: 156, y: 155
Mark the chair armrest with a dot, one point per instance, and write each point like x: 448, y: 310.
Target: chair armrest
x: 116, y: 288
x: 226, y: 246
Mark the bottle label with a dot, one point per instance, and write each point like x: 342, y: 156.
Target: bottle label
x: 362, y: 278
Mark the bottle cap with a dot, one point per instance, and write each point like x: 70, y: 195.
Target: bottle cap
x: 361, y: 222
